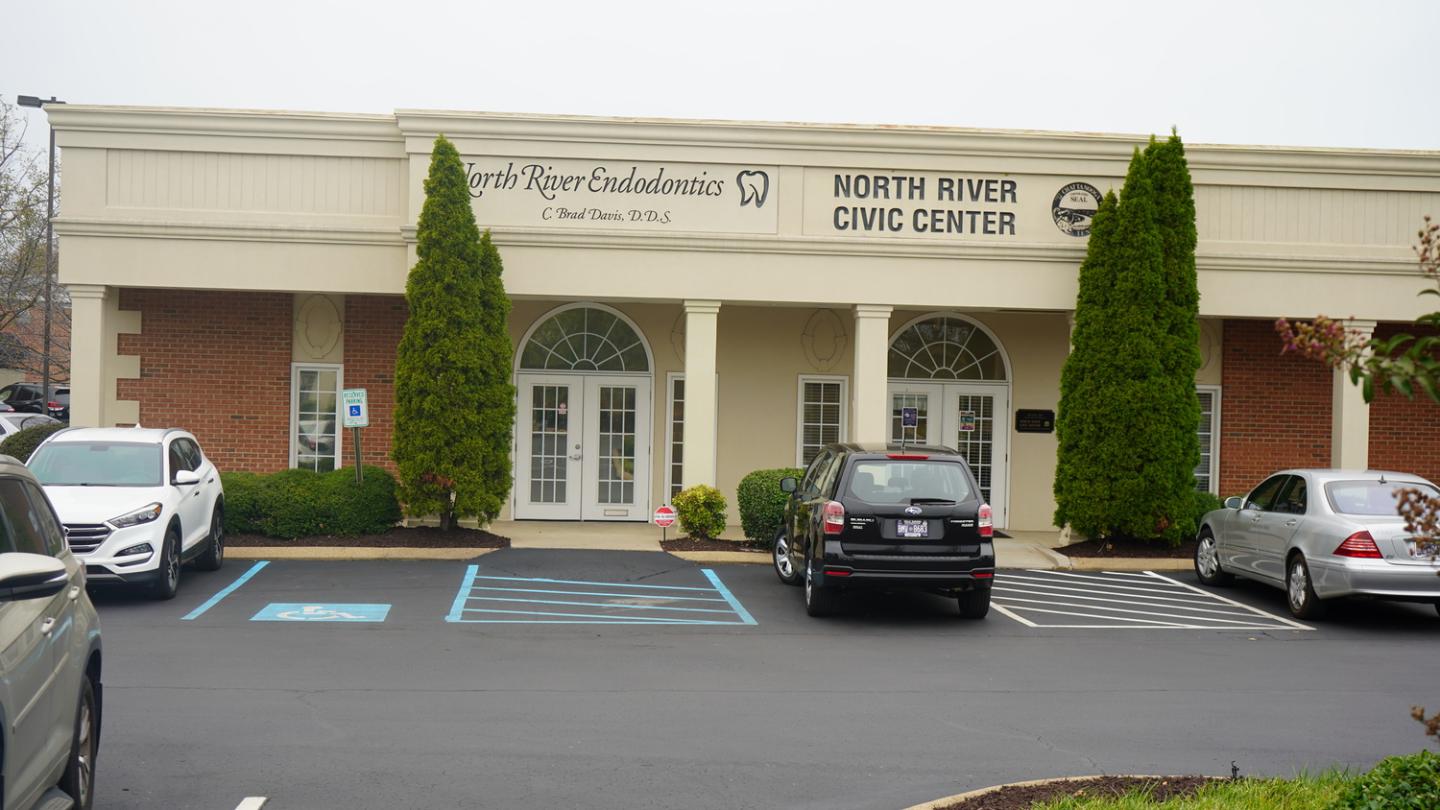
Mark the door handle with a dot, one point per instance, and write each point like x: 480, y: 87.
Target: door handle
x: 47, y: 626
x: 74, y: 592
x: 1292, y: 521
x: 575, y: 457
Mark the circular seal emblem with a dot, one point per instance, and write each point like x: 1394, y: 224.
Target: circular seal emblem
x: 1075, y: 207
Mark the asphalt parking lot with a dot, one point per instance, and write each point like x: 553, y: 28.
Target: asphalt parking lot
x: 529, y: 678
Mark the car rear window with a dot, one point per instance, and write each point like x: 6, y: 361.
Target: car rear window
x: 886, y: 481
x: 1370, y: 497
x: 97, y: 464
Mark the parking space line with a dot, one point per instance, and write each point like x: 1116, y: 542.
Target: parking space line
x: 1056, y: 590
x: 1112, y: 577
x: 252, y: 803
x: 594, y: 593
x: 1012, y: 614
x: 224, y: 592
x: 1119, y: 590
x: 620, y: 605
x: 477, y: 602
x: 1123, y: 610
x: 999, y: 589
x: 729, y: 597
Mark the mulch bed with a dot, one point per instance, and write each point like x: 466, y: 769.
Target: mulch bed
x: 398, y: 537
x: 1022, y: 797
x: 687, y: 544
x: 1123, y: 547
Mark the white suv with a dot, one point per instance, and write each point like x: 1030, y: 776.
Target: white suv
x: 50, y: 693
x: 136, y: 503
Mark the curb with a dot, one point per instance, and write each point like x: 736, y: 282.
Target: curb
x: 352, y: 553
x: 972, y: 794
x: 753, y: 557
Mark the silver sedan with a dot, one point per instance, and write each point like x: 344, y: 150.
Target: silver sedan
x: 1320, y: 535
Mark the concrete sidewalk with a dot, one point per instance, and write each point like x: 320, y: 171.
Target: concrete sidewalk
x: 1020, y: 549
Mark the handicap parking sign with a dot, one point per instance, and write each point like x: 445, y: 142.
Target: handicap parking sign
x: 357, y: 411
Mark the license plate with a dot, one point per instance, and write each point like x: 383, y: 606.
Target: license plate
x: 912, y: 528
x: 1418, y: 553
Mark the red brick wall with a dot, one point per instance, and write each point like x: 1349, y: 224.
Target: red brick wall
x: 216, y: 364
x: 1404, y: 433
x: 373, y: 325
x: 1274, y: 408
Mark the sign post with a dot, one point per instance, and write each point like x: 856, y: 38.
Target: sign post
x: 664, y: 518
x: 355, y: 414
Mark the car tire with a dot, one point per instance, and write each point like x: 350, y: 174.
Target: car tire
x: 974, y: 603
x: 79, y: 778
x: 1207, y: 561
x: 783, y: 564
x: 214, y: 554
x: 167, y: 576
x: 819, y: 600
x: 1300, y: 591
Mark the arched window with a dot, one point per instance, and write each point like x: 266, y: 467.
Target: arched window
x: 945, y: 348
x: 584, y: 339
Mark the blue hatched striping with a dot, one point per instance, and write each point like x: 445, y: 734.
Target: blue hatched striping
x: 480, y: 600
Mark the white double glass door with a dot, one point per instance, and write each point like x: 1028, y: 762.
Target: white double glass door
x: 582, y: 447
x: 973, y: 418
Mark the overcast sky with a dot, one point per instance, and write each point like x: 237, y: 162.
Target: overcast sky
x: 1314, y: 73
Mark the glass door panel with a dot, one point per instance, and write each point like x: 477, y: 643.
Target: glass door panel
x: 551, y: 407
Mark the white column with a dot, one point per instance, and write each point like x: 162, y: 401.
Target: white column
x: 87, y: 354
x: 701, y: 318
x: 869, y: 387
x: 1349, y: 415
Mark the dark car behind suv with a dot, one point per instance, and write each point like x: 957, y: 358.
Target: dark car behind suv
x: 887, y: 516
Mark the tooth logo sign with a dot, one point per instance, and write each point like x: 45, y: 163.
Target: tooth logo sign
x: 754, y: 187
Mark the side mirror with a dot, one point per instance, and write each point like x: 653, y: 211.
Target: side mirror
x: 788, y: 484
x: 30, y: 576
x: 186, y: 478
x: 1234, y: 502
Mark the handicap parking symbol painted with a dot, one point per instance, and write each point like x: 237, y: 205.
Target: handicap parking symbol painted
x: 300, y: 612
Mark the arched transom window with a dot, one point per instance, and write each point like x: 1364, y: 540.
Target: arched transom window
x: 584, y: 339
x: 945, y: 348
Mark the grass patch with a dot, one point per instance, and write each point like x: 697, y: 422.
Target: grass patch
x: 1301, y: 793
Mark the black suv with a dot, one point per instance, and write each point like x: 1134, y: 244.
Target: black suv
x: 891, y: 516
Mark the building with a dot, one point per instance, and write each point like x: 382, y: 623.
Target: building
x: 694, y: 300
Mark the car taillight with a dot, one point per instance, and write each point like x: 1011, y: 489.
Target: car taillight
x: 54, y: 405
x: 985, y: 522
x: 834, y: 516
x: 1359, y: 544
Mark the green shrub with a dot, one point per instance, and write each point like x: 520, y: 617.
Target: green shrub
x: 242, y: 502
x: 303, y: 503
x: 702, y: 511
x: 1204, y: 502
x: 762, y: 504
x: 22, y: 444
x: 1409, y: 782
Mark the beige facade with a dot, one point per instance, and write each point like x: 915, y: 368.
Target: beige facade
x: 750, y: 257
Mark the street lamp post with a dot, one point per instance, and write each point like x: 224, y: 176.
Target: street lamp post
x: 38, y: 103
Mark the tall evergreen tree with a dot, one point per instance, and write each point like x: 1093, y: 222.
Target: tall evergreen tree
x: 1112, y: 474
x: 1175, y: 216
x: 455, y: 404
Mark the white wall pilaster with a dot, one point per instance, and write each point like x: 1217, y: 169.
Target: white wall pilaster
x: 88, y: 351
x: 701, y: 322
x: 1349, y: 415
x: 869, y: 387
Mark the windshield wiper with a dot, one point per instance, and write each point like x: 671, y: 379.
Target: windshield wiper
x: 931, y: 500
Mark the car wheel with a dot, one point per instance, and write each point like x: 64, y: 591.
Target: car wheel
x: 167, y: 578
x: 1299, y: 592
x: 214, y: 555
x: 1207, y: 561
x: 784, y: 566
x: 974, y: 603
x: 819, y: 601
x: 79, y: 778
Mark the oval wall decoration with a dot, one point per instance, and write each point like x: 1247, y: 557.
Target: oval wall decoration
x: 824, y: 339
x: 318, y: 326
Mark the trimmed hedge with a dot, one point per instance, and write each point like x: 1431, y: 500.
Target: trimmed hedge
x: 701, y: 510
x: 22, y: 444
x: 1410, y: 782
x: 762, y: 504
x: 1204, y: 502
x: 304, y: 503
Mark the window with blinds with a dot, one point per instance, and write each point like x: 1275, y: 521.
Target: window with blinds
x: 1207, y: 472
x: 821, y: 417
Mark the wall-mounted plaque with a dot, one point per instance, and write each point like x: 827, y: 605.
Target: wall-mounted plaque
x: 1034, y: 421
